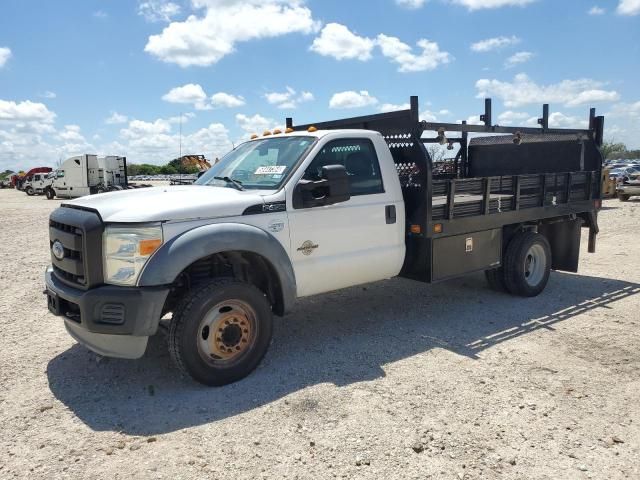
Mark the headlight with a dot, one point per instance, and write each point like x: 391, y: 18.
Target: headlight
x: 126, y: 250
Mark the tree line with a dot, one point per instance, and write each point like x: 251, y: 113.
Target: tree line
x: 618, y: 151
x: 171, y: 168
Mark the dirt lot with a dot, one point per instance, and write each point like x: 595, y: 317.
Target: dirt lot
x: 392, y: 380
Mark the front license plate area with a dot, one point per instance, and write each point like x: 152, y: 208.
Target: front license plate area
x: 53, y: 302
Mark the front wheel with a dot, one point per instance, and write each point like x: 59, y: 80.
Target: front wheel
x: 29, y: 191
x: 527, y: 264
x: 220, y: 331
x: 623, y: 198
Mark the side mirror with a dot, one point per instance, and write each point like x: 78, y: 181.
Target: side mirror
x: 333, y: 187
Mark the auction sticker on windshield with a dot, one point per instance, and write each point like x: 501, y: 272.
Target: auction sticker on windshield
x: 270, y: 170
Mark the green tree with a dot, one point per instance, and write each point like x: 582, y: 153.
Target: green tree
x: 613, y: 150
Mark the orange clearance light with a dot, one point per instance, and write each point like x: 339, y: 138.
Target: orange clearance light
x: 254, y: 136
x: 416, y: 229
x: 288, y: 130
x: 437, y: 228
x: 312, y: 129
x: 277, y: 131
x: 147, y: 247
x: 266, y: 133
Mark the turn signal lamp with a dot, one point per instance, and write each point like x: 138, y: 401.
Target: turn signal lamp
x: 416, y: 229
x: 266, y: 133
x: 288, y: 130
x: 254, y: 136
x: 437, y: 228
x: 147, y: 247
x: 312, y: 129
x: 277, y: 131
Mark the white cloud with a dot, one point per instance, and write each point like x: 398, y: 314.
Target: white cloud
x: 254, y: 124
x: 191, y: 93
x: 115, y: 118
x: 494, y: 43
x: 155, y: 142
x: 510, y: 117
x: 48, y: 94
x: 205, y: 39
x: 518, y: 58
x: 337, y: 41
x: 524, y: 91
x: 623, y: 124
x: 158, y: 10
x: 392, y: 107
x: 411, y: 4
x: 138, y: 128
x: 101, y: 14
x: 288, y: 99
x: 401, y: 53
x: 625, y: 110
x: 26, y: 111
x: 5, y: 55
x: 560, y: 120
x: 628, y: 7
x: 182, y: 118
x: 484, y: 4
x: 71, y: 133
x: 352, y: 99
x: 595, y: 10
x: 226, y: 100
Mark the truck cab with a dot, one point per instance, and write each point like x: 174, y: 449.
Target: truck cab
x: 310, y: 210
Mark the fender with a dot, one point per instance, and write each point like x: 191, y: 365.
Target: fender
x: 183, y: 250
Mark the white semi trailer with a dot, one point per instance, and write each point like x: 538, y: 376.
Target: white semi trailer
x: 85, y: 175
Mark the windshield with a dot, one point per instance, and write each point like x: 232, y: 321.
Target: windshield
x: 260, y: 164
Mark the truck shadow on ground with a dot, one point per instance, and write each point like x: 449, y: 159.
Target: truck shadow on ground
x: 339, y: 338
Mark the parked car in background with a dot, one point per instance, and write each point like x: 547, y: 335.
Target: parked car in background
x: 628, y: 187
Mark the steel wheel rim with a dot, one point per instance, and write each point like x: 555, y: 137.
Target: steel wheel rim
x: 227, y: 332
x: 534, y: 265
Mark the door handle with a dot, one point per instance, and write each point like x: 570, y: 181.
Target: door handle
x: 390, y: 214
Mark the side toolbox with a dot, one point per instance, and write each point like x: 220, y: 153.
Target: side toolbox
x: 466, y: 253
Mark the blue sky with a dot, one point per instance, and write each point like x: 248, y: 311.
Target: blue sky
x: 113, y: 77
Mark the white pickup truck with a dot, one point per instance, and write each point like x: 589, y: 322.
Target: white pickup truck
x: 307, y: 211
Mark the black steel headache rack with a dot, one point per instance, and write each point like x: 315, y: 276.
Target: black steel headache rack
x: 500, y: 176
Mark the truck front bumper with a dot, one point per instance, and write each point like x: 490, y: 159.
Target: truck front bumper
x: 110, y: 320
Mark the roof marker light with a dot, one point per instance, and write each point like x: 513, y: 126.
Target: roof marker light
x: 254, y: 136
x: 266, y: 133
x: 288, y: 130
x: 312, y: 129
x: 277, y: 131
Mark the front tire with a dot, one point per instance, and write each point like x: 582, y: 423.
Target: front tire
x: 623, y: 198
x: 527, y: 264
x: 220, y: 331
x: 29, y: 191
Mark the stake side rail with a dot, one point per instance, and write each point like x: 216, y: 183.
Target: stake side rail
x: 462, y: 205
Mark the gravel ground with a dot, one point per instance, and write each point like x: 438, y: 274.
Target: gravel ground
x: 392, y: 380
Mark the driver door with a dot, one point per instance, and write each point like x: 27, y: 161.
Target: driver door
x: 347, y: 243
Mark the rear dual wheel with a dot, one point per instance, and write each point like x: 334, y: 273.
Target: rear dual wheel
x: 525, y: 268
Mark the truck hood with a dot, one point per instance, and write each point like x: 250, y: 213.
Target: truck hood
x: 156, y: 204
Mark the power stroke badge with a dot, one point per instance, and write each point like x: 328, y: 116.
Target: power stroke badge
x: 307, y: 247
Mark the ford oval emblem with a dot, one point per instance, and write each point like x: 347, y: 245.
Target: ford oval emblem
x: 58, y: 250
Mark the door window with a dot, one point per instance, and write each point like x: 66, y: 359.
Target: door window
x: 358, y: 156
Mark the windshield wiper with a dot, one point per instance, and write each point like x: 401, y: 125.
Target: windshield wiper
x: 236, y: 183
